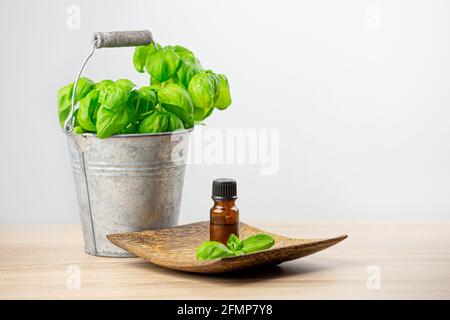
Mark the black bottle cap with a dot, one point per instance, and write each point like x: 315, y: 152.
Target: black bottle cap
x: 224, y: 189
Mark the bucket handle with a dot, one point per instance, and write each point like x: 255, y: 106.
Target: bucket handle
x: 113, y: 39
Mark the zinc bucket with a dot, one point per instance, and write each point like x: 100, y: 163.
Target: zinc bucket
x: 127, y: 183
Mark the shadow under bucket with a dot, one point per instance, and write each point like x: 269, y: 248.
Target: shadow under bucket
x: 127, y: 183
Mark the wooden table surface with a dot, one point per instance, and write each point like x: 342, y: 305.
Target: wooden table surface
x: 379, y: 260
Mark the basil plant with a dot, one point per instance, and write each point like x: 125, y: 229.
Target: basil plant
x: 180, y: 94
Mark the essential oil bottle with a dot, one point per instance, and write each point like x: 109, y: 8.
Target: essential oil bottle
x: 224, y: 216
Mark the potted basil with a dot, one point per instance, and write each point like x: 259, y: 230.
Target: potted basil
x: 128, y: 145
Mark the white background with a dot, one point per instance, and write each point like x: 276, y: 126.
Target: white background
x: 359, y: 91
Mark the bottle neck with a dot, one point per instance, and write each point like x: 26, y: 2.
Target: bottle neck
x: 225, y: 203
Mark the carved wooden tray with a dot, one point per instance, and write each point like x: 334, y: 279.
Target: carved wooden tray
x: 174, y: 248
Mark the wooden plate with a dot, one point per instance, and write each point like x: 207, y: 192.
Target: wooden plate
x: 174, y: 248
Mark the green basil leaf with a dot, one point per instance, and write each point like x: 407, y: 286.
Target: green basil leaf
x: 151, y: 51
x: 184, y: 53
x: 224, y: 98
x: 111, y: 122
x: 210, y: 250
x: 130, y: 128
x: 103, y: 84
x: 203, y: 91
x: 176, y: 95
x: 140, y: 56
x: 164, y: 122
x: 126, y: 84
x: 187, y: 118
x: 145, y: 114
x: 131, y: 108
x: 233, y: 243
x: 208, y: 112
x: 87, y: 112
x: 143, y: 100
x: 174, y: 122
x: 186, y: 71
x: 148, y: 95
x: 64, y: 103
x: 189, y: 66
x: 257, y: 242
x: 113, y: 115
x: 84, y: 86
x: 140, y: 53
x: 154, y: 84
x: 162, y: 64
x: 75, y: 115
x: 156, y: 122
x: 201, y: 114
x: 78, y: 130
x: 113, y: 96
x: 216, y: 80
x: 176, y: 99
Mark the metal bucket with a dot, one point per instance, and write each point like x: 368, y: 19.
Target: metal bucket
x: 127, y: 183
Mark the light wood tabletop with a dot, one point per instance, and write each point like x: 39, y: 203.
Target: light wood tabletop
x: 379, y: 260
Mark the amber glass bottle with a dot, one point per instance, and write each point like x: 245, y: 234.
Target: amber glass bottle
x: 224, y: 216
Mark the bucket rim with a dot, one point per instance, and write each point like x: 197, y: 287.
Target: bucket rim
x: 134, y: 135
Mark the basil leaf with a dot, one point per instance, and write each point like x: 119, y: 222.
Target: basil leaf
x: 139, y: 104
x: 224, y: 99
x: 186, y: 71
x: 125, y: 83
x: 174, y: 122
x: 204, y: 91
x: 216, y: 80
x: 234, y: 243
x: 143, y: 100
x: 84, y: 86
x: 139, y: 56
x: 189, y: 66
x: 87, y: 112
x: 154, y: 84
x: 210, y: 250
x: 64, y: 103
x: 114, y: 114
x: 177, y: 100
x: 130, y: 128
x: 162, y: 64
x: 141, y: 53
x: 257, y: 242
x: 75, y: 115
x: 184, y: 53
x: 78, y: 130
x: 111, y: 122
x: 113, y: 96
x: 200, y: 114
x: 103, y: 84
x: 156, y: 122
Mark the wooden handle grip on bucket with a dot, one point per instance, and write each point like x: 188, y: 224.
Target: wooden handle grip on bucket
x: 117, y: 39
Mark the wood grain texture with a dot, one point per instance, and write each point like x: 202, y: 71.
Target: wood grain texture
x: 175, y: 248
x: 412, y: 257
